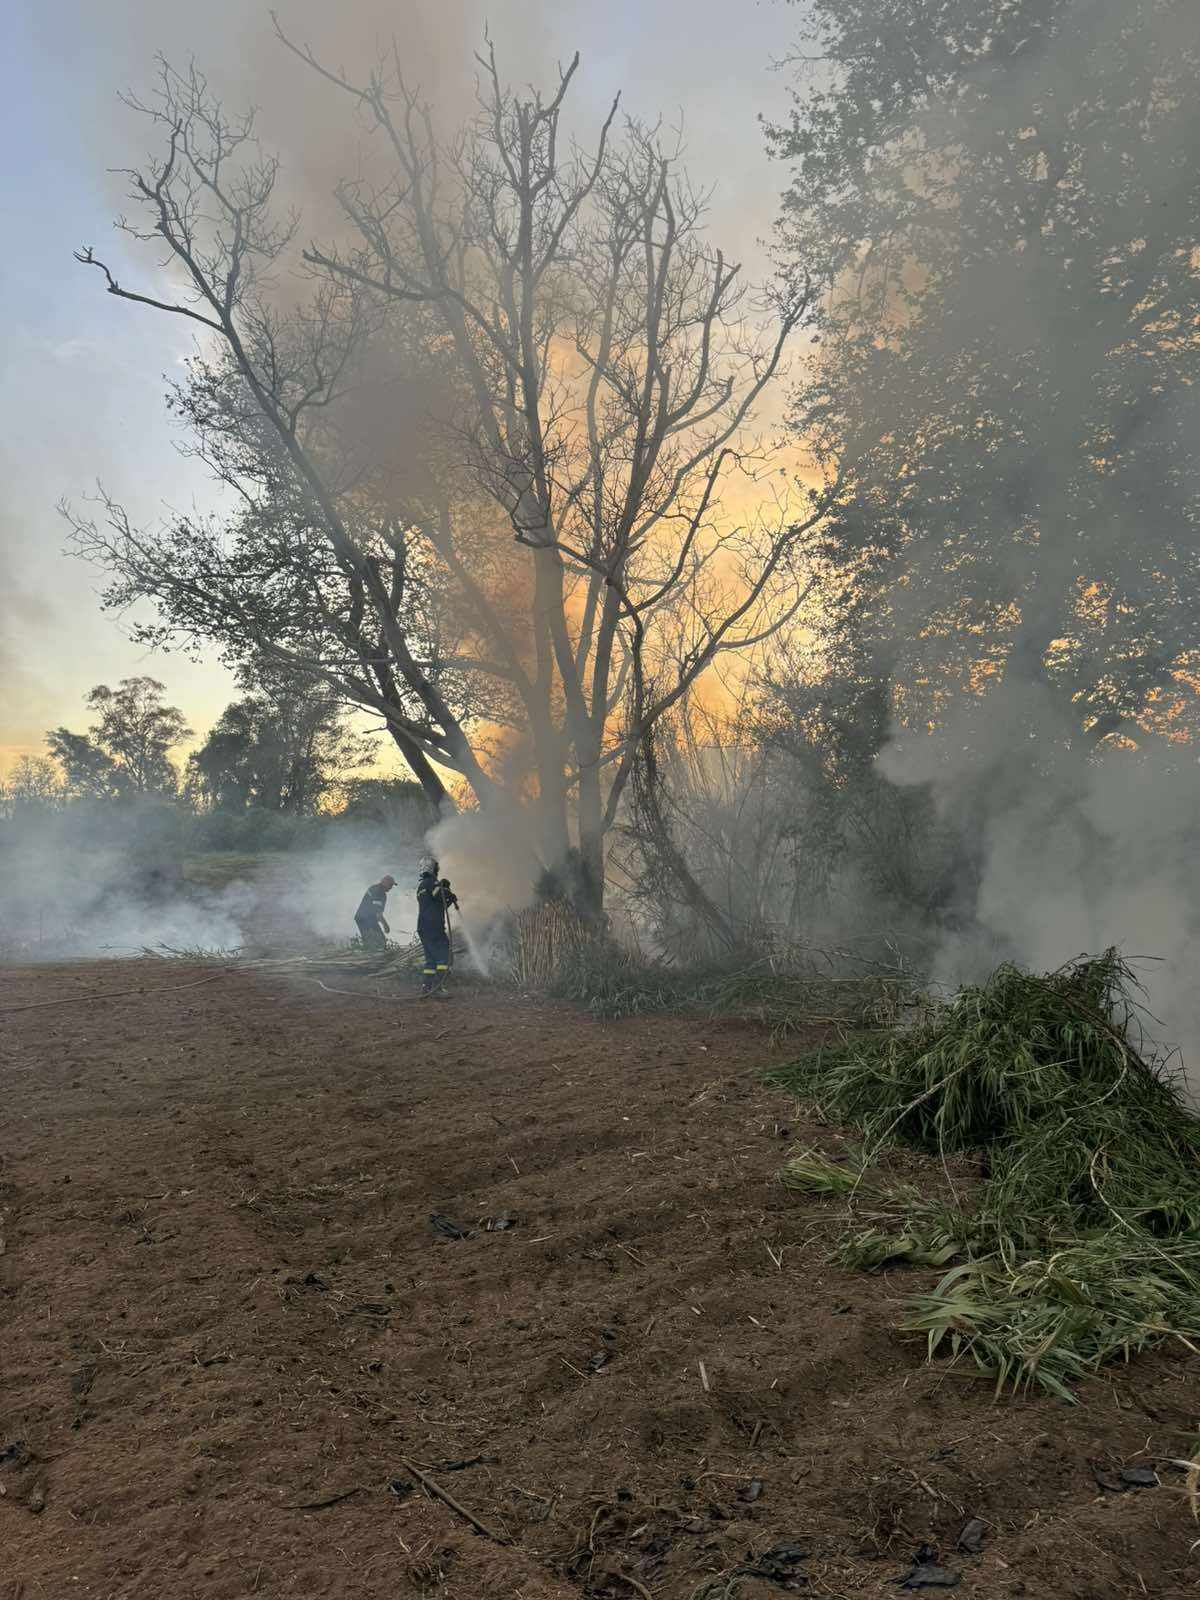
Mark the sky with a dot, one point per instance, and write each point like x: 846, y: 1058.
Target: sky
x: 82, y: 376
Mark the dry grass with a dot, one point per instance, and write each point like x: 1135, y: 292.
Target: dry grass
x: 544, y: 941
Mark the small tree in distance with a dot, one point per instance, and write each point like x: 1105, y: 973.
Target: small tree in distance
x: 127, y: 751
x: 35, y: 783
x: 281, y: 747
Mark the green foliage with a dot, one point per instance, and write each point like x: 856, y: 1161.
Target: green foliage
x: 1054, y: 1317
x: 284, y: 747
x: 616, y: 982
x: 1001, y: 195
x: 127, y: 750
x: 812, y: 1172
x: 254, y: 830
x: 387, y: 802
x: 89, y: 773
x: 1083, y: 1241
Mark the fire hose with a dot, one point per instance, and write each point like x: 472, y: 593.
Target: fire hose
x: 449, y: 902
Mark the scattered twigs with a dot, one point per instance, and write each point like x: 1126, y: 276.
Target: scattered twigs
x: 547, y: 1502
x: 435, y: 1489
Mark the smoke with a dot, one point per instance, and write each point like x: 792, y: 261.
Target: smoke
x: 1027, y: 428
x: 1075, y: 850
x: 493, y: 860
x: 664, y: 60
x: 109, y: 880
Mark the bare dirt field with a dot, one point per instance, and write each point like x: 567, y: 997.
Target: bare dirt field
x: 238, y: 1359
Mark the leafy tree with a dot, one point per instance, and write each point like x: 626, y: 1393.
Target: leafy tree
x: 282, y: 747
x: 88, y: 771
x: 35, y: 783
x: 387, y: 802
x: 1007, y: 196
x: 853, y: 837
x: 126, y: 751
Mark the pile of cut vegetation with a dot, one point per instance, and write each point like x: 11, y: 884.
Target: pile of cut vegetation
x: 1080, y: 1241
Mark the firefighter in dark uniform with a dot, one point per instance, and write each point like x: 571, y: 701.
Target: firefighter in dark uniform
x: 369, y: 919
x: 434, y: 896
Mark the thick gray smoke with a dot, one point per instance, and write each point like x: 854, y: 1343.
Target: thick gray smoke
x: 1077, y: 852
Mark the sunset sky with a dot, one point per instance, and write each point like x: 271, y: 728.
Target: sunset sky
x: 82, y: 376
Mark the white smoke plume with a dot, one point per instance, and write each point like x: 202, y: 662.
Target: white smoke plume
x: 117, y: 882
x: 1076, y: 851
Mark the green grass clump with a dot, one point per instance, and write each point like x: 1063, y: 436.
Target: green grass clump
x: 613, y: 981
x: 1053, y: 1318
x: 814, y: 1173
x: 1083, y: 1241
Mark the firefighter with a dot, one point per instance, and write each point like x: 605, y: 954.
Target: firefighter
x: 369, y: 919
x: 434, y: 897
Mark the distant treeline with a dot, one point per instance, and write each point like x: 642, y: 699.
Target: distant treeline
x: 279, y: 768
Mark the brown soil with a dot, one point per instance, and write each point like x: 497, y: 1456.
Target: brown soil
x: 228, y: 1330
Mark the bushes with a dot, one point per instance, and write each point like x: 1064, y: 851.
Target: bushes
x: 254, y: 829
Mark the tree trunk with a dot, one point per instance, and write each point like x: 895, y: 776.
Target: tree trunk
x: 556, y: 838
x: 591, y: 837
x: 659, y: 845
x: 436, y: 794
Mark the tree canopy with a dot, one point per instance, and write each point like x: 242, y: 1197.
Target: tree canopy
x: 1008, y: 201
x: 127, y: 750
x: 283, y: 746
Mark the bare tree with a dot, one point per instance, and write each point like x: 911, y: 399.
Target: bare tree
x: 600, y: 366
x: 315, y: 580
x: 611, y: 374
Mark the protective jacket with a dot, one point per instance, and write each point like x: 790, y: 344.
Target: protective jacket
x: 432, y: 899
x: 372, y: 906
